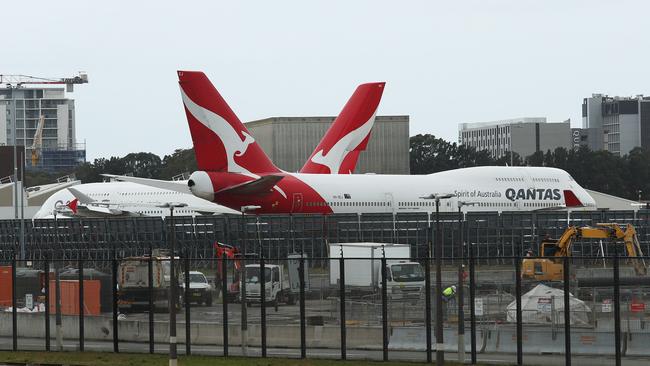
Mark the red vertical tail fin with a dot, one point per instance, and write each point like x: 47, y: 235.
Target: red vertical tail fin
x: 338, y: 151
x: 221, y: 142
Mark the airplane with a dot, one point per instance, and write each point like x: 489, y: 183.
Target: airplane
x: 235, y: 172
x: 346, y: 137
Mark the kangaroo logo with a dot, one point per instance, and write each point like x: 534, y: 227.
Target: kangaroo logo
x: 230, y: 139
x: 335, y: 156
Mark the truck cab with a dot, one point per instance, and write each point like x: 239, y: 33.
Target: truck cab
x: 277, y: 287
x: 404, y: 280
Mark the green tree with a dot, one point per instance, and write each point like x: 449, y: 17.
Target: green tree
x: 180, y: 161
x: 142, y: 164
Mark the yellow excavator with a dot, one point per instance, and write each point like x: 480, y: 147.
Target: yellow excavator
x: 550, y: 266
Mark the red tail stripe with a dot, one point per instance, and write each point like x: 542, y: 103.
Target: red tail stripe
x: 570, y: 199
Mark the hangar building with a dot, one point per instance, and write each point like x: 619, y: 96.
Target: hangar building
x: 290, y: 140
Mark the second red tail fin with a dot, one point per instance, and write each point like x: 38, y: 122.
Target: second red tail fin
x: 221, y: 142
x: 338, y: 151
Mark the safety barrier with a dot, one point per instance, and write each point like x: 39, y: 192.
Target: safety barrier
x: 414, y: 339
x: 544, y: 342
x: 99, y: 328
x: 637, y: 344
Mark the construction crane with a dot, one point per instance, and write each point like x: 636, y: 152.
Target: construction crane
x: 17, y: 81
x: 38, y: 141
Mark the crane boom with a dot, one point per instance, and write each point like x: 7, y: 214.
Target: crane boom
x: 18, y: 80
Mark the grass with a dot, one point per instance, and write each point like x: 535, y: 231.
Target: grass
x: 129, y: 359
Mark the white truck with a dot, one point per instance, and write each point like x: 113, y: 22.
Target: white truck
x: 282, y: 285
x: 404, y: 279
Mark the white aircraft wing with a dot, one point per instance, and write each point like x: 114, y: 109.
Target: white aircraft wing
x: 171, y: 185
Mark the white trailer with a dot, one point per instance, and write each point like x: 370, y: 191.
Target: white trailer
x: 405, y: 279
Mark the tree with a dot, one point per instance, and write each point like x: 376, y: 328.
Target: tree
x: 144, y: 165
x: 180, y: 161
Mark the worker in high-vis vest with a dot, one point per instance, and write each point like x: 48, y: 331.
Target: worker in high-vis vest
x: 449, y: 292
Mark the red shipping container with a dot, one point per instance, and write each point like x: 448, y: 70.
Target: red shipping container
x: 5, y: 286
x: 70, y: 297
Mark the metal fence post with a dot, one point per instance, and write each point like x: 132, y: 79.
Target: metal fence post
x: 617, y: 311
x: 14, y: 312
x: 519, y: 320
x: 427, y: 306
x: 384, y: 308
x: 224, y: 300
x: 47, y: 304
x: 303, y: 328
x: 116, y: 347
x: 152, y: 309
x: 567, y: 315
x: 472, y: 301
x: 81, y: 305
x: 263, y: 301
x: 186, y: 295
x: 342, y: 305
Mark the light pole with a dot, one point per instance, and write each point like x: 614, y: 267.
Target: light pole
x: 173, y: 357
x: 461, y: 298
x: 242, y: 286
x: 440, y: 353
x: 57, y: 290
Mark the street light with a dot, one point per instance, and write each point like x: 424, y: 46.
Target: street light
x: 440, y: 354
x: 461, y: 298
x: 242, y: 287
x: 173, y: 358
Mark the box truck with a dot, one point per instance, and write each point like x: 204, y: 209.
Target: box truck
x: 404, y: 278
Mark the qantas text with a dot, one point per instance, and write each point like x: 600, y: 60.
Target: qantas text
x: 533, y: 194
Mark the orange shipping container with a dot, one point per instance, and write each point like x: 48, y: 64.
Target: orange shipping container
x: 5, y: 285
x: 70, y: 297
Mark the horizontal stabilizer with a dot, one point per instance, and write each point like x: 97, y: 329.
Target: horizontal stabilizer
x: 258, y: 186
x: 82, y: 198
x: 105, y: 210
x: 170, y: 185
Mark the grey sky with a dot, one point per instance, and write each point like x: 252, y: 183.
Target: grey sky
x: 444, y: 62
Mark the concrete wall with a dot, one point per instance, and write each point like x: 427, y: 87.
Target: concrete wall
x: 62, y: 125
x: 554, y: 135
x: 494, y: 340
x: 100, y: 328
x: 3, y: 124
x: 630, y: 132
x: 289, y: 141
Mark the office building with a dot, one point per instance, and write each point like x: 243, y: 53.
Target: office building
x: 289, y: 141
x: 58, y: 150
x: 620, y: 123
x: 524, y: 136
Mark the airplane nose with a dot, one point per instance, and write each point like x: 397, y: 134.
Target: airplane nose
x: 201, y: 186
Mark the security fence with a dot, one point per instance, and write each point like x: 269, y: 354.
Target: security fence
x: 494, y: 236
x: 381, y: 307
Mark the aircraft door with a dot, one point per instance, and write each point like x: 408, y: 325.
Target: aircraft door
x: 297, y: 202
x: 391, y: 204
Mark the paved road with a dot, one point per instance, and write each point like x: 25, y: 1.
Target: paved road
x: 353, y: 354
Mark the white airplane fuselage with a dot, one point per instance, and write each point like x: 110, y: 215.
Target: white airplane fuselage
x: 487, y: 188
x: 125, y: 198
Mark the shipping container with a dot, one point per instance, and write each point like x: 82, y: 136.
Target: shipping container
x: 70, y: 297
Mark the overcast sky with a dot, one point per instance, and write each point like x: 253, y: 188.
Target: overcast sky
x: 444, y: 62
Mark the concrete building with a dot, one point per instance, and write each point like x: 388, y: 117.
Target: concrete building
x: 60, y: 150
x: 621, y: 123
x: 587, y: 137
x: 289, y: 141
x: 524, y: 136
